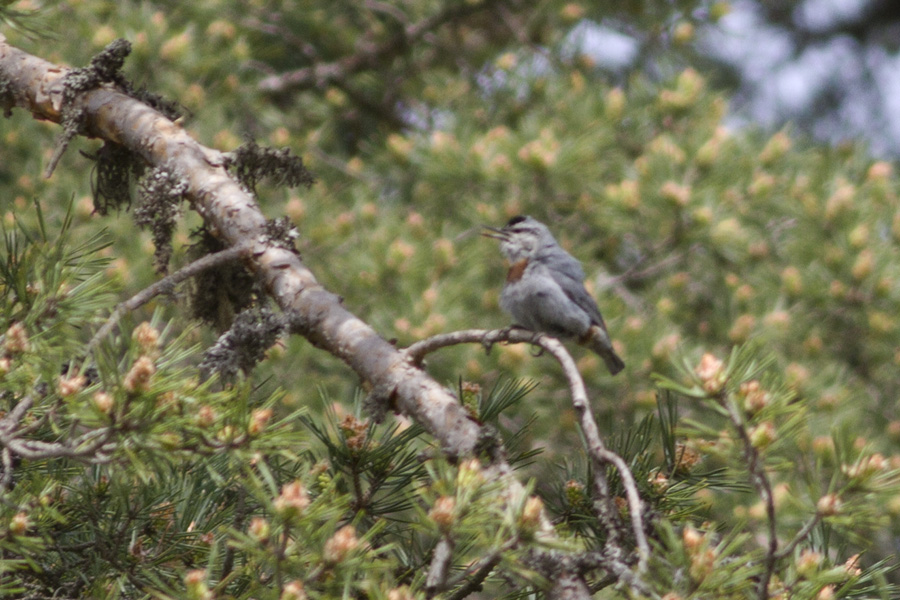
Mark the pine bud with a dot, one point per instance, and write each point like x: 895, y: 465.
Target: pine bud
x: 530, y: 521
x: 258, y: 420
x: 292, y: 501
x: 792, y: 280
x: 808, y: 562
x: 401, y: 593
x: 702, y: 564
x: 259, y: 529
x: 614, y: 106
x: 879, y: 171
x: 711, y: 372
x: 147, y: 337
x: 777, y: 146
x: 683, y: 32
x: 676, y: 193
x: 443, y: 513
x: 763, y: 435
x: 340, y: 545
x: 755, y: 398
x: 852, y: 566
x: 829, y: 505
x: 293, y: 591
x: 195, y: 581
x: 692, y: 539
x: 659, y: 482
x: 742, y: 328
x: 686, y: 458
x: 19, y: 524
x: 206, y: 416
x: 469, y: 473
x: 572, y: 12
x: 138, y: 378
x: 865, y: 467
x: 69, y: 386
x: 575, y: 492
x: 16, y: 339
x: 354, y: 431
x: 104, y: 402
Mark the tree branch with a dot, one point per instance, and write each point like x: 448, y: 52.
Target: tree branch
x: 800, y: 537
x: 368, y: 54
x: 440, y: 565
x: 165, y: 285
x: 599, y: 454
x: 478, y: 573
x: 764, y: 489
x: 231, y: 213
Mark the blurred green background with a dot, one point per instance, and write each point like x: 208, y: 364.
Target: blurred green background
x: 424, y: 120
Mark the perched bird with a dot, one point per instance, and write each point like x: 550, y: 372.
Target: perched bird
x: 544, y: 288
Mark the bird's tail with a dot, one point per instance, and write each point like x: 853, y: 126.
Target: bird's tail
x: 598, y: 340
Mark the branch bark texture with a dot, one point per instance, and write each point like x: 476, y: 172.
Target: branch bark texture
x: 232, y: 214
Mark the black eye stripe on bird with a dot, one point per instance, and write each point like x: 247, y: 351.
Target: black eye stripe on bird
x: 544, y: 289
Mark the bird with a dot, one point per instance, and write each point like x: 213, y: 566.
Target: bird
x: 544, y: 290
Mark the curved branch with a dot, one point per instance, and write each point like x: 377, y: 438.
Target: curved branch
x: 597, y: 450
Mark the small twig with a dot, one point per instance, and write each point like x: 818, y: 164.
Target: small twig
x: 240, y: 516
x: 6, y: 477
x: 478, y: 573
x: 370, y: 54
x: 632, y: 274
x: 598, y: 452
x: 11, y: 420
x: 165, y: 284
x: 634, y: 503
x: 38, y: 450
x: 387, y: 9
x: 440, y: 566
x: 88, y: 444
x: 800, y: 537
x: 764, y: 489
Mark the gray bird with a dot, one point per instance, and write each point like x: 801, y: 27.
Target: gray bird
x: 544, y: 288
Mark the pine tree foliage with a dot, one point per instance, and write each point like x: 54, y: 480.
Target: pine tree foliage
x: 749, y: 278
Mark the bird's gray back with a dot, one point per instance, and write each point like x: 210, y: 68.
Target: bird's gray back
x: 568, y: 274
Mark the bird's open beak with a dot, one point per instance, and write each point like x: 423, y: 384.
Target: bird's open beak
x: 493, y: 232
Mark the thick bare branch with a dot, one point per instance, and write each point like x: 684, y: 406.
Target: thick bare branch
x: 233, y: 215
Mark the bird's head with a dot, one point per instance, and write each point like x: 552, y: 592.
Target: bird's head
x: 521, y: 238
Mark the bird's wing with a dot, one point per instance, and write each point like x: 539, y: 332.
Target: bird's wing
x: 566, y: 271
